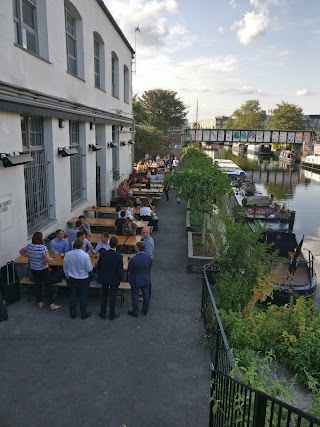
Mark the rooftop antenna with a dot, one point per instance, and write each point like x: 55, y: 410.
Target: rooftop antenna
x: 134, y: 62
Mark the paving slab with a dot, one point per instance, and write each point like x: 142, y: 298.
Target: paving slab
x: 149, y: 371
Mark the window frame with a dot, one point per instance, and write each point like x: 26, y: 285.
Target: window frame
x: 97, y: 64
x: 76, y: 189
x: 73, y: 37
x: 114, y: 75
x: 20, y: 26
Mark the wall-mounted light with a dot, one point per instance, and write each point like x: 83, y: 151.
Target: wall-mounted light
x: 112, y: 144
x: 67, y: 151
x: 92, y: 125
x: 62, y: 123
x: 123, y: 143
x: 131, y: 142
x: 15, y: 159
x: 95, y: 147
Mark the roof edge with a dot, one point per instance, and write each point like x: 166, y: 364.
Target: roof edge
x: 116, y: 26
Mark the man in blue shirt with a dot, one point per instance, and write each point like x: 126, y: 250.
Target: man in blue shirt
x: 72, y: 233
x: 139, y: 267
x: 84, y: 225
x: 59, y: 244
x: 77, y: 266
x: 148, y: 247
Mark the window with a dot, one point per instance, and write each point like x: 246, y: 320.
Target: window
x: 25, y: 24
x: 115, y: 75
x: 125, y: 84
x: 99, y: 61
x: 36, y: 172
x: 74, y: 40
x: 75, y: 165
x: 71, y: 41
x: 96, y: 63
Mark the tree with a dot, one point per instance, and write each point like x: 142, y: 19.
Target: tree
x: 139, y: 112
x: 148, y: 139
x: 164, y: 109
x: 286, y: 116
x: 249, y: 116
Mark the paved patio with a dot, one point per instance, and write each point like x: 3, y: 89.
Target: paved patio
x: 150, y: 371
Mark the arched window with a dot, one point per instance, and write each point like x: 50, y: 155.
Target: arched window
x: 74, y: 40
x: 114, y: 75
x: 126, y: 84
x: 99, y: 61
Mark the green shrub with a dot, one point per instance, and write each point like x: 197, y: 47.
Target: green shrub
x: 196, y: 218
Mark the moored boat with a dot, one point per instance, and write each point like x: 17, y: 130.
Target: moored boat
x: 230, y: 168
x: 260, y: 149
x: 239, y: 147
x: 287, y: 156
x: 312, y: 162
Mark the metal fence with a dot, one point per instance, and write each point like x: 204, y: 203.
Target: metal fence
x: 233, y: 404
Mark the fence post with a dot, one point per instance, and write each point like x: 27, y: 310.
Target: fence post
x: 260, y: 408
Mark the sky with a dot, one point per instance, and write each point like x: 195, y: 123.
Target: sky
x: 224, y: 52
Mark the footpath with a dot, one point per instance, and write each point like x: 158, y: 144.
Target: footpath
x: 149, y: 371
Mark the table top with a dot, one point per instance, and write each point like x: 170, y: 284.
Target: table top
x: 153, y: 185
x: 96, y: 238
x: 137, y: 191
x: 57, y: 260
x: 132, y: 240
x: 105, y: 222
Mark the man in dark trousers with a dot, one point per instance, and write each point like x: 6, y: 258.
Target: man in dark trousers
x: 139, y: 267
x: 110, y: 270
x: 77, y: 266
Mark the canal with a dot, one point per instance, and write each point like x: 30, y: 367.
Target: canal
x: 298, y: 188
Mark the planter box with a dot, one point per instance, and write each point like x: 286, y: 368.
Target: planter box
x: 195, y: 263
x: 189, y: 227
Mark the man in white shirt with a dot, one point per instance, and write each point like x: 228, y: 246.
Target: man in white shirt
x: 86, y: 245
x: 103, y: 244
x: 175, y: 163
x: 77, y: 266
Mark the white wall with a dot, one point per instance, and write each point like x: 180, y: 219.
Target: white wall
x: 52, y: 78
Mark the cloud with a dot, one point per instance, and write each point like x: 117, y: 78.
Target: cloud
x: 245, y: 90
x: 252, y: 26
x: 153, y: 18
x: 304, y: 92
x: 194, y: 75
x: 220, y: 30
x: 232, y: 3
x: 255, y: 23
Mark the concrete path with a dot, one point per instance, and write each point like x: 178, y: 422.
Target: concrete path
x: 150, y: 371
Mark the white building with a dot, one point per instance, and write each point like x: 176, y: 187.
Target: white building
x: 65, y: 82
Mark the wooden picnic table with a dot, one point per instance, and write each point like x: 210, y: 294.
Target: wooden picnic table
x: 96, y: 238
x: 153, y: 185
x: 132, y: 240
x: 148, y: 191
x: 105, y: 222
x: 57, y: 260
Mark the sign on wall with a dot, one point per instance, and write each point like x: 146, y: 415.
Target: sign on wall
x: 6, y: 214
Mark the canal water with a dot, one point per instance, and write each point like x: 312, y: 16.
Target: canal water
x: 298, y: 188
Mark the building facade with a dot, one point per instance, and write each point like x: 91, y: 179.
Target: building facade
x: 65, y: 104
x: 217, y: 122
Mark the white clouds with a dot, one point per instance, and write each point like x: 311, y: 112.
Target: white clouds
x: 220, y: 30
x: 252, y: 26
x: 153, y: 18
x: 232, y: 3
x: 304, y: 92
x: 255, y: 23
x: 245, y: 90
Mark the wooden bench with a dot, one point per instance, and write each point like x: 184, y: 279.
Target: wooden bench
x: 124, y: 286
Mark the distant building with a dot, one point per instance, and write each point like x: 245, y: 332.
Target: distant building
x: 217, y: 122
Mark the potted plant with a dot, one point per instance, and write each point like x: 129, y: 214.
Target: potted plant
x: 116, y: 176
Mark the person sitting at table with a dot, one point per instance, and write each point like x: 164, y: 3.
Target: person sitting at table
x: 59, y: 244
x: 148, y: 176
x: 129, y: 228
x: 103, y: 244
x: 39, y: 257
x: 84, y: 225
x: 72, y: 233
x: 153, y: 175
x: 146, y: 215
x: 150, y: 203
x: 134, y: 175
x: 119, y: 222
x: 159, y: 176
x: 86, y: 245
x: 122, y: 191
x: 129, y: 207
x: 137, y: 202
